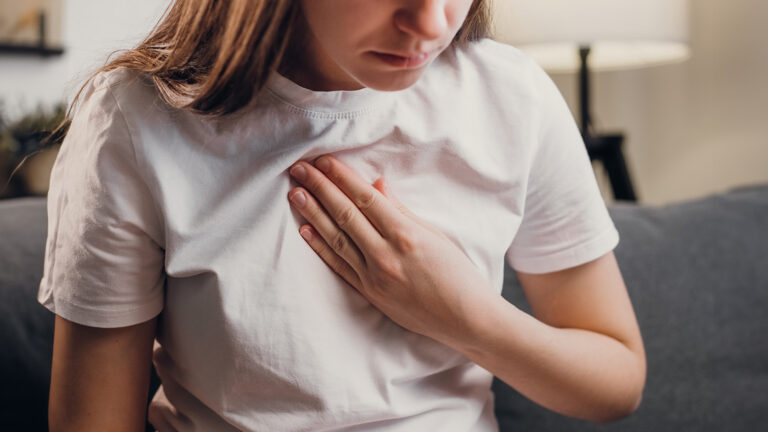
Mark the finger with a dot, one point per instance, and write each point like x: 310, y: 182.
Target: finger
x: 331, y: 258
x: 380, y: 212
x: 328, y: 231
x: 346, y: 215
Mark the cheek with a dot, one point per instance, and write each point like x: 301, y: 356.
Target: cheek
x: 341, y: 22
x: 457, y: 12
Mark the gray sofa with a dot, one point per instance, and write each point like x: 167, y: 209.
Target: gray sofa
x: 697, y: 274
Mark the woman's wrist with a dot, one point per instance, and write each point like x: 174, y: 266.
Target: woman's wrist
x: 482, y: 316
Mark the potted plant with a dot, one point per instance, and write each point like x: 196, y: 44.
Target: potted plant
x: 28, y: 147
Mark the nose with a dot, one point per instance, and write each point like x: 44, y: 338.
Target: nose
x: 425, y: 19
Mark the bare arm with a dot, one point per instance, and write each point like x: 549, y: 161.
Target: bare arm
x: 100, y: 377
x: 582, y: 355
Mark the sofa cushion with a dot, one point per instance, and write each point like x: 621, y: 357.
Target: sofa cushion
x: 697, y: 274
x: 26, y: 328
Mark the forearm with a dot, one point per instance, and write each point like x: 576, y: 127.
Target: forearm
x: 574, y: 372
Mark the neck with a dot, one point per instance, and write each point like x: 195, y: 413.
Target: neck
x: 305, y: 63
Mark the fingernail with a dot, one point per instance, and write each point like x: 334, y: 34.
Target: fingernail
x: 298, y: 199
x: 299, y: 172
x: 323, y: 164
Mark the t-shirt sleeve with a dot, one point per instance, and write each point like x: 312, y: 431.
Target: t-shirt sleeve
x: 565, y: 220
x: 103, y: 257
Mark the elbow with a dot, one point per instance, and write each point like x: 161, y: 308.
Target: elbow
x: 630, y: 399
x: 627, y: 403
x: 619, y: 411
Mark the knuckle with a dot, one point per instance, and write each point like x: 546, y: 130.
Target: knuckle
x: 345, y: 216
x: 366, y: 200
x: 313, y: 182
x: 313, y: 212
x: 404, y: 241
x: 339, y: 242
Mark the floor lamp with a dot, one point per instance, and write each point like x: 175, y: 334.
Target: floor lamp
x: 585, y: 36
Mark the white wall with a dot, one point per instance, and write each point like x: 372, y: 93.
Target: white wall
x: 90, y: 30
x: 692, y: 129
x: 698, y: 127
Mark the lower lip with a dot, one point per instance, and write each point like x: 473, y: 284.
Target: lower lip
x: 403, y: 62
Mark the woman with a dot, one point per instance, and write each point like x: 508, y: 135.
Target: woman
x: 169, y: 217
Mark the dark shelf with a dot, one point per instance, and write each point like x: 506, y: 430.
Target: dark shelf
x: 39, y: 48
x: 36, y: 50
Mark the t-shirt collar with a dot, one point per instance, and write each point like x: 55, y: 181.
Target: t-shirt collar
x: 326, y: 102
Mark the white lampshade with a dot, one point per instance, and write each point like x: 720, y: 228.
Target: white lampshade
x: 622, y: 34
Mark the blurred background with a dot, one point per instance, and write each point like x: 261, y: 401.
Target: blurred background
x: 690, y: 128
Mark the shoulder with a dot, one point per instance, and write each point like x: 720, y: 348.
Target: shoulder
x: 496, y: 72
x: 493, y: 61
x: 106, y: 88
x: 127, y: 100
x: 131, y: 93
x: 108, y: 96
x: 489, y: 53
x: 109, y: 117
x: 97, y: 111
x: 116, y: 78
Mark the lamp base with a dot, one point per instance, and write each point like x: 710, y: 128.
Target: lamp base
x: 608, y: 150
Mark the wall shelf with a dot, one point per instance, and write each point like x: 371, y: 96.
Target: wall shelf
x: 35, y: 50
x: 40, y: 48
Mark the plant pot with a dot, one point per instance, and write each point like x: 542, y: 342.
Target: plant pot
x: 35, y: 174
x: 9, y: 187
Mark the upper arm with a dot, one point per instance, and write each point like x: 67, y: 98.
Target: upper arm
x: 565, y: 221
x: 100, y: 376
x: 104, y: 250
x: 591, y: 296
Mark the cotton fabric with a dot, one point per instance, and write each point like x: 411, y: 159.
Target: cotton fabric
x: 156, y: 211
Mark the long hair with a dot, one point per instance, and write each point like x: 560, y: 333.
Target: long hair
x: 212, y: 57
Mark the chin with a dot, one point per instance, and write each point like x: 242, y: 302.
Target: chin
x: 392, y: 80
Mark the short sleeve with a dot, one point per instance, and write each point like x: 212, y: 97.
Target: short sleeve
x: 565, y: 220
x: 103, y: 257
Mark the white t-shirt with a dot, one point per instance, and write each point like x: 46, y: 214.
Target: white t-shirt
x: 153, y: 211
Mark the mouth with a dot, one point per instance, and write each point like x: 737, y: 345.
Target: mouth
x: 403, y: 60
